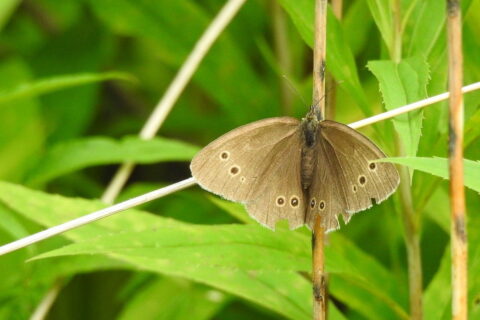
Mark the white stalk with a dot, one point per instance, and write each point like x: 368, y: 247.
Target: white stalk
x: 176, y: 87
x: 91, y: 217
x: 410, y: 107
x: 94, y: 216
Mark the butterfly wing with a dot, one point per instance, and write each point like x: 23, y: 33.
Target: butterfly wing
x: 280, y: 189
x: 253, y: 164
x: 357, y: 181
x: 324, y: 192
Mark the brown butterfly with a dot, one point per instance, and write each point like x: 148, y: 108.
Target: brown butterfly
x: 283, y: 168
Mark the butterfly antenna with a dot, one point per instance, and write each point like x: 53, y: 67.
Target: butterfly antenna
x: 292, y: 87
x: 315, y: 110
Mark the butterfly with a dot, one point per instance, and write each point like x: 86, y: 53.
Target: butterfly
x: 283, y: 168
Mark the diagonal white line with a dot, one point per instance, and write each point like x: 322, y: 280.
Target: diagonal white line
x: 91, y: 217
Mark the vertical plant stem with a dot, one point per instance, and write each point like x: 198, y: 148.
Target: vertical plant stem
x: 318, y: 264
x: 337, y: 8
x: 397, y: 32
x: 283, y: 53
x: 319, y: 55
x: 457, y: 194
x: 47, y: 301
x: 318, y: 274
x: 409, y: 216
x: 412, y: 243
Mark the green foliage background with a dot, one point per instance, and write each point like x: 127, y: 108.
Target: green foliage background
x: 78, y: 79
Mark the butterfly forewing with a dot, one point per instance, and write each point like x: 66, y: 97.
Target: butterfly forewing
x: 256, y: 164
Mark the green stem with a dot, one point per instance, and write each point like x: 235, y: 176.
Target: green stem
x: 409, y: 216
x: 412, y: 242
x: 396, y: 53
x: 282, y: 51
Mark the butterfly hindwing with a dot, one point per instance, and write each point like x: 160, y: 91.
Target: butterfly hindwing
x: 280, y: 189
x: 362, y: 182
x: 346, y: 177
x: 324, y: 193
x: 249, y: 165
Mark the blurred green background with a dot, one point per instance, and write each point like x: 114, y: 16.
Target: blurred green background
x: 78, y: 79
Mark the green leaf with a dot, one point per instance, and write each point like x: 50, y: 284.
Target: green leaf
x: 382, y: 15
x: 439, y: 167
x: 349, y: 284
x: 472, y: 129
x: 351, y: 290
x: 10, y: 224
x: 226, y: 247
x: 474, y: 273
x: 7, y: 7
x: 225, y: 66
x: 354, y: 294
x: 358, y: 25
x: 265, y: 283
x: 235, y: 209
x: 190, y: 301
x: 428, y: 24
x: 75, y: 155
x: 401, y: 84
x: 43, y: 86
x: 301, y: 13
x: 341, y: 63
x: 19, y: 297
x: 340, y: 59
x: 352, y: 282
x: 334, y: 313
x: 72, y: 265
x: 473, y: 224
x: 21, y: 131
x: 285, y: 292
x: 50, y: 210
x: 82, y: 48
x: 438, y: 293
x: 437, y: 208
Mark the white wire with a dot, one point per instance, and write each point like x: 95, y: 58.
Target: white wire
x: 410, y: 107
x: 165, y: 105
x: 91, y: 217
x: 75, y: 223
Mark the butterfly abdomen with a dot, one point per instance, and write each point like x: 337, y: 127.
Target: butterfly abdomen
x: 309, y: 161
x: 309, y: 128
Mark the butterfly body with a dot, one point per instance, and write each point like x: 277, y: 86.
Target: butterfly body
x: 309, y: 128
x: 283, y: 168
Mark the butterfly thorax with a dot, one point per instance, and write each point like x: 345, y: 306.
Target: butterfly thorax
x: 309, y: 128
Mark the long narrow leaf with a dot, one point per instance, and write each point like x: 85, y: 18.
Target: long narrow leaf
x: 52, y: 84
x: 401, y: 84
x: 78, y: 154
x: 439, y: 167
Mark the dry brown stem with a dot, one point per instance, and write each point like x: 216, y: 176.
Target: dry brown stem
x: 458, y: 231
x: 318, y: 264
